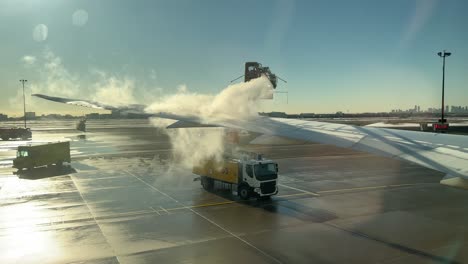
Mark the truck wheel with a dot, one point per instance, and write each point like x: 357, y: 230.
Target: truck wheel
x: 244, y: 192
x: 4, y: 138
x: 207, y: 183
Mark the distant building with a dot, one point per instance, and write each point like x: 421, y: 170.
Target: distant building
x: 53, y: 116
x: 105, y: 116
x: 116, y: 114
x: 3, y: 117
x: 30, y: 115
x: 307, y: 115
x: 459, y: 109
x: 278, y: 114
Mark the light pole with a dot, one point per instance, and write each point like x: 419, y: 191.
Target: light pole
x: 443, y: 55
x: 24, y: 103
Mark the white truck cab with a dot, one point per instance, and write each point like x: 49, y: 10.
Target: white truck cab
x: 245, y: 174
x: 259, y: 177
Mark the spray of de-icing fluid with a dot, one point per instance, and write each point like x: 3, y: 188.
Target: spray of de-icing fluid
x: 190, y: 145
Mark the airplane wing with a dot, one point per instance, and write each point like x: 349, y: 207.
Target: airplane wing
x: 133, y: 108
x: 79, y: 102
x: 441, y: 152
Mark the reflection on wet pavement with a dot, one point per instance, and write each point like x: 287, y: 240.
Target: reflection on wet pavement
x: 121, y: 200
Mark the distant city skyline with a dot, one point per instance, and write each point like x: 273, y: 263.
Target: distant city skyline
x: 370, y: 56
x: 448, y: 109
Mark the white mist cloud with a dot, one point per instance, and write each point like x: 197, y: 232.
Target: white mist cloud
x: 182, y: 88
x: 54, y: 78
x: 235, y: 101
x: 280, y: 23
x: 191, y: 145
x: 422, y: 13
x: 114, y: 91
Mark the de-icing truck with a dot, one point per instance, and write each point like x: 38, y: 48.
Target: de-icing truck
x: 249, y: 176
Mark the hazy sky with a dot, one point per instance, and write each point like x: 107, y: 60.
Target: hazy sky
x: 336, y: 55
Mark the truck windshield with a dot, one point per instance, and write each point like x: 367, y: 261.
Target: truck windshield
x: 22, y: 153
x: 265, y: 171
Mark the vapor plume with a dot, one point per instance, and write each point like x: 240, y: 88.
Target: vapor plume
x: 191, y: 145
x: 52, y: 77
x: 235, y: 101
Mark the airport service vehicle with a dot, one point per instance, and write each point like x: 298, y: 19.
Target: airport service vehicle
x: 441, y: 126
x: 81, y: 125
x: 250, y: 177
x: 42, y: 155
x: 15, y: 132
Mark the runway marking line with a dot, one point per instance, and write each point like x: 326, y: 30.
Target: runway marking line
x: 207, y: 219
x: 229, y: 202
x: 212, y: 204
x: 162, y: 208
x: 300, y: 190
x: 167, y: 210
x: 95, y: 219
x: 155, y: 210
x: 197, y: 206
x: 372, y: 187
x: 291, y: 195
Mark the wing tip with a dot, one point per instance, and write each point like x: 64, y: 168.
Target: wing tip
x: 455, y: 181
x: 40, y: 95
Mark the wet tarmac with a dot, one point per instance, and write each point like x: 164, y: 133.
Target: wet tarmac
x: 121, y: 200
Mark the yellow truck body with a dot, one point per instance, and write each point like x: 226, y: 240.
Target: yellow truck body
x: 226, y: 170
x: 41, y: 155
x: 247, y: 176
